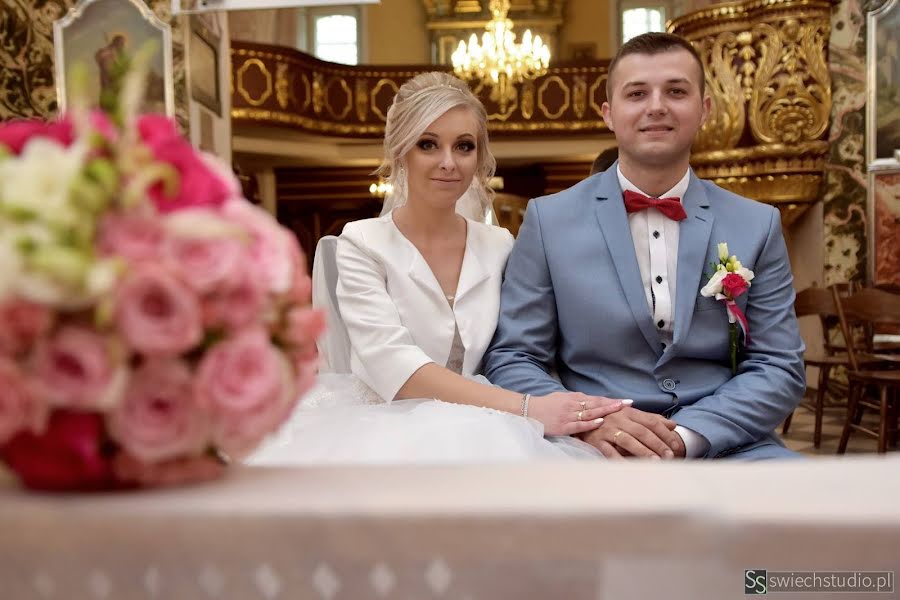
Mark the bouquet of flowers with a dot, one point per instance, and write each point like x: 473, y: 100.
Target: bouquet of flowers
x: 153, y: 323
x: 729, y: 280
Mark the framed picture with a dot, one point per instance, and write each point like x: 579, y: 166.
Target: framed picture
x: 883, y: 83
x: 101, y: 34
x: 204, y: 64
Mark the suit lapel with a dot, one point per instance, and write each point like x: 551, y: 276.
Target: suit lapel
x: 613, y: 222
x: 693, y: 245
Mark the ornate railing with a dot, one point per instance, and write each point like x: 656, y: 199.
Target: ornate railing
x: 274, y: 85
x: 767, y: 74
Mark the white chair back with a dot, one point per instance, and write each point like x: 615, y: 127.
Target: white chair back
x: 334, y: 344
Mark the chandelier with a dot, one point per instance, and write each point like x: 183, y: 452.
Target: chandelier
x: 498, y: 61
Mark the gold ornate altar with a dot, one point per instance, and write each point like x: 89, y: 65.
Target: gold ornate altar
x: 767, y: 74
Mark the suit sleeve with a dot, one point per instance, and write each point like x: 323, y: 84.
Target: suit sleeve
x: 523, y: 350
x: 384, y: 346
x: 770, y: 379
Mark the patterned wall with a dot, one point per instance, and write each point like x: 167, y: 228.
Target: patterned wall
x: 844, y: 200
x: 27, y: 82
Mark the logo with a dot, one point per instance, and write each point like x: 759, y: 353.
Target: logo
x: 755, y: 582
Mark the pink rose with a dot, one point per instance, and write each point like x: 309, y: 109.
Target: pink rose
x: 77, y: 369
x: 238, y: 301
x: 20, y: 407
x: 733, y: 285
x: 204, y: 263
x: 273, y: 249
x: 21, y: 324
x: 198, y: 185
x: 67, y: 456
x: 194, y: 469
x: 134, y: 237
x: 156, y: 313
x: 246, y: 385
x: 159, y: 418
x: 303, y: 326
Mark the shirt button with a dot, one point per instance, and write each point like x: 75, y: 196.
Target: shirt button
x: 656, y: 234
x: 659, y: 279
x: 668, y: 384
x: 660, y: 323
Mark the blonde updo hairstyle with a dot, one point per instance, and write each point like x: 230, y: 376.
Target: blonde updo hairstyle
x: 419, y: 102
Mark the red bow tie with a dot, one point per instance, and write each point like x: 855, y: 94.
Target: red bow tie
x: 670, y: 207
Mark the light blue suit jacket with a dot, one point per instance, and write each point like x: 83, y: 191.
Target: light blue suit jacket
x: 572, y: 300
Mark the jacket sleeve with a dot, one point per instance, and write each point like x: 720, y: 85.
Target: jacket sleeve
x: 523, y: 350
x: 770, y: 379
x: 384, y: 347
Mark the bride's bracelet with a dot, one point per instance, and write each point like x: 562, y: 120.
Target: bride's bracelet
x: 525, y: 399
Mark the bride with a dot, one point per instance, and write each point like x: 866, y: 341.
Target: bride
x: 419, y: 292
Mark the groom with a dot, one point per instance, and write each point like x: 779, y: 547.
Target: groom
x: 607, y: 292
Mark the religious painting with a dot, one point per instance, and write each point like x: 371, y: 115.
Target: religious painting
x: 883, y: 63
x: 102, y: 36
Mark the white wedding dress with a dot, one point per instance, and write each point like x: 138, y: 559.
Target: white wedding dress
x: 344, y: 421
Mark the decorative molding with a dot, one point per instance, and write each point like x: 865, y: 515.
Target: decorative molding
x: 353, y: 100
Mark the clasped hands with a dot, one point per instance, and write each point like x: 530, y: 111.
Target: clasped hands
x: 612, y: 426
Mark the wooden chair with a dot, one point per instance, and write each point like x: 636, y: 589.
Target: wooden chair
x: 870, y: 307
x: 816, y: 301
x: 510, y: 211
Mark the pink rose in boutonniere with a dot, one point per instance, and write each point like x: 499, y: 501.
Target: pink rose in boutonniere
x: 729, y: 281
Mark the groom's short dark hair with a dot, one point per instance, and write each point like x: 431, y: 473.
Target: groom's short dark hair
x: 654, y: 43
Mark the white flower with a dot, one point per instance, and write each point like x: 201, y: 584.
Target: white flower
x: 723, y: 251
x: 714, y: 286
x: 746, y: 273
x: 40, y: 180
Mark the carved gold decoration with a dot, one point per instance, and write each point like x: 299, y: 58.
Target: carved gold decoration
x: 768, y: 78
x: 282, y: 85
x: 527, y: 99
x: 579, y: 95
x: 567, y: 96
x: 362, y: 100
x: 348, y: 105
x: 267, y: 76
x: 318, y: 95
x: 791, y: 98
x: 726, y: 121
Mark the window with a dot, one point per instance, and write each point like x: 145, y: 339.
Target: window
x: 335, y: 37
x: 638, y: 20
x: 330, y: 33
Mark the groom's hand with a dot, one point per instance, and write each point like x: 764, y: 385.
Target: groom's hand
x: 633, y: 432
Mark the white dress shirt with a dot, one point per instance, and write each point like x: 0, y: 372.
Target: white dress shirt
x: 655, y: 238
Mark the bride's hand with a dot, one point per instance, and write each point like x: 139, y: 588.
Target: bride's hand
x: 568, y: 413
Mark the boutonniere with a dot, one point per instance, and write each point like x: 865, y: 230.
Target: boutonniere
x: 728, y: 281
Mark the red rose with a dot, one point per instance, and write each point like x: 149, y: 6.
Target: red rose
x: 733, y: 285
x: 198, y: 185
x: 15, y: 134
x: 66, y: 457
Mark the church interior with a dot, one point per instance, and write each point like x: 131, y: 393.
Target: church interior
x: 294, y: 95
